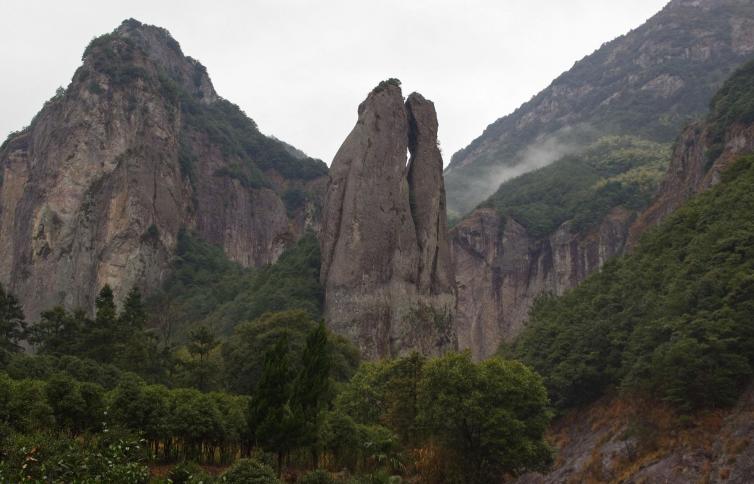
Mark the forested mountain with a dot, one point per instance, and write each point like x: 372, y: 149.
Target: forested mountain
x: 647, y: 84
x: 546, y: 230
x: 670, y: 322
x: 136, y: 148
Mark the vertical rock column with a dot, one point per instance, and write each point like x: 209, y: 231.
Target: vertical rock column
x: 385, y: 265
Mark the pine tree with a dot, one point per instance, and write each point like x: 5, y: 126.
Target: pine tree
x: 102, y: 333
x: 12, y: 324
x: 312, y: 390
x: 133, y: 316
x: 271, y: 422
x: 201, y: 342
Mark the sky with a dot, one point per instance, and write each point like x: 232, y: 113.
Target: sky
x: 300, y: 68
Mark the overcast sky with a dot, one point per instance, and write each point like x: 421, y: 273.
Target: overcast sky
x: 300, y: 68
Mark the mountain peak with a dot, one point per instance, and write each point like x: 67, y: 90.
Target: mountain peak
x: 140, y: 51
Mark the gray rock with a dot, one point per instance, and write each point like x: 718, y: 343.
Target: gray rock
x: 385, y: 265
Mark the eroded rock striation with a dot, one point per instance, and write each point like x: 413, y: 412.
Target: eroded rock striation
x: 137, y: 148
x: 501, y: 270
x: 386, y: 270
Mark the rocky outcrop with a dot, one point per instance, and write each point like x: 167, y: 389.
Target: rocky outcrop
x: 617, y: 440
x: 692, y: 170
x: 501, y: 270
x: 385, y: 262
x: 138, y: 147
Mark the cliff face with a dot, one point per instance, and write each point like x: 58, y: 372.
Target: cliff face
x: 138, y: 147
x: 692, y: 170
x: 501, y: 270
x: 647, y: 83
x: 385, y: 262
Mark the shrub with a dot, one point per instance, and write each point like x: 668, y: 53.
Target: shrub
x: 250, y: 471
x: 318, y: 476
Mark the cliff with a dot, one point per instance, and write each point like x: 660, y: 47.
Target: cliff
x: 137, y: 147
x: 385, y: 268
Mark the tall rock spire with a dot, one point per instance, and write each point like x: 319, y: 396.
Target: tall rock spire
x: 385, y: 265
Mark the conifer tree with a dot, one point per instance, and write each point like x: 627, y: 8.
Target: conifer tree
x: 311, y: 390
x: 271, y: 422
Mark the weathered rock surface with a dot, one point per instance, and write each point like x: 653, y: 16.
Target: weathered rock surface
x: 385, y: 263
x: 633, y: 442
x: 501, y: 270
x: 95, y: 190
x: 691, y: 171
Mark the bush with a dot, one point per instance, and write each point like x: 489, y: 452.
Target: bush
x: 187, y: 472
x: 250, y: 471
x: 318, y: 476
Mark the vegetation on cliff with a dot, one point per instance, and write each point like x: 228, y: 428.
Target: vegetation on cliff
x: 672, y: 320
x: 206, y: 288
x: 613, y: 172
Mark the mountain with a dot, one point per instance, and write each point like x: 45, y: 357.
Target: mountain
x: 666, y: 330
x: 648, y: 83
x: 545, y: 230
x: 386, y: 268
x: 137, y: 148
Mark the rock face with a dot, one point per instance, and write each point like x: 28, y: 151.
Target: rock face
x: 648, y: 83
x: 138, y: 147
x: 501, y: 270
x: 625, y: 441
x: 385, y: 260
x: 692, y: 171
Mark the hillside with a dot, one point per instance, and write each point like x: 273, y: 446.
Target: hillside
x: 138, y: 147
x: 648, y: 84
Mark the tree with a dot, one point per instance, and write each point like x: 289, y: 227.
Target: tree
x: 57, y: 332
x: 133, y: 315
x: 271, y: 421
x: 12, y: 325
x: 311, y: 390
x: 490, y: 417
x: 201, y: 342
x: 101, y: 335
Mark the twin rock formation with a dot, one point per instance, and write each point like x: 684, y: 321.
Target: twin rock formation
x: 386, y: 268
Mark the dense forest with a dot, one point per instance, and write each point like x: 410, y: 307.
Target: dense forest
x: 113, y: 398
x: 672, y: 320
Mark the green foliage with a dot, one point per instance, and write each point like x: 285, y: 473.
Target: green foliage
x: 312, y: 392
x: 671, y: 320
x: 317, y: 476
x: 186, y: 473
x: 387, y: 82
x: 243, y: 354
x: 250, y: 471
x: 113, y: 56
x: 205, y: 288
x: 491, y: 416
x: 57, y: 458
x: 733, y: 103
x: 294, y: 199
x: 12, y: 325
x: 271, y: 419
x: 613, y: 172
